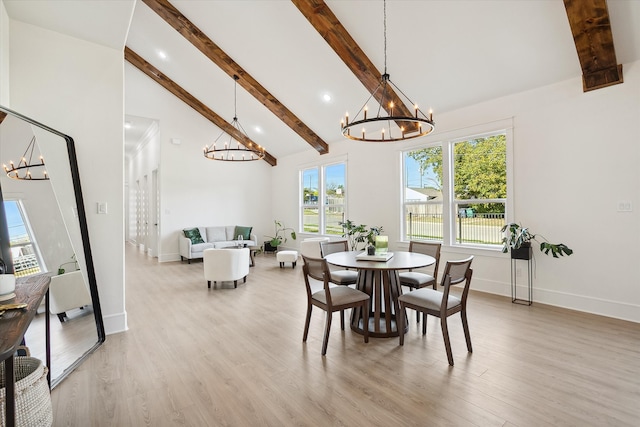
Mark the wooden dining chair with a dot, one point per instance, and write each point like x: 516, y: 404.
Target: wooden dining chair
x: 330, y: 298
x: 338, y: 276
x: 419, y: 279
x: 441, y: 303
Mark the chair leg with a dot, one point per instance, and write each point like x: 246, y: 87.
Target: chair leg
x: 401, y: 324
x: 282, y: 265
x: 342, y: 319
x: 424, y: 323
x: 326, y: 333
x: 306, y: 323
x: 235, y: 283
x: 365, y: 320
x: 447, y: 343
x: 293, y: 265
x: 465, y: 327
x: 244, y: 279
x: 61, y: 316
x: 209, y: 284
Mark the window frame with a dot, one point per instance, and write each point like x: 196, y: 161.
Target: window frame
x: 322, y: 202
x: 450, y: 202
x: 41, y: 266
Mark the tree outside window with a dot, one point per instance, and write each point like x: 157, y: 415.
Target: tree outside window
x: 478, y: 193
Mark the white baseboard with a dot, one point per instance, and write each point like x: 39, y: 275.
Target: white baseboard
x: 115, y: 323
x: 598, y: 306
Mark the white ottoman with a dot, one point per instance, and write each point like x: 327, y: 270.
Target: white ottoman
x: 287, y: 256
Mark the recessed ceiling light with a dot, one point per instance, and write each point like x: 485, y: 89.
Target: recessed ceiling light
x: 162, y: 54
x: 326, y: 97
x: 258, y: 129
x: 127, y: 125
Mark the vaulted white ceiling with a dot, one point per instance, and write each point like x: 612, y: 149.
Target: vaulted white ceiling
x: 443, y: 54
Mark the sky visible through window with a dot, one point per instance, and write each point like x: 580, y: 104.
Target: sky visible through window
x: 17, y: 229
x: 413, y: 178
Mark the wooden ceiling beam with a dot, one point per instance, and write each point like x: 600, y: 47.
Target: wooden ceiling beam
x: 212, y: 51
x: 591, y: 29
x: 336, y: 35
x: 2, y: 116
x: 164, y: 81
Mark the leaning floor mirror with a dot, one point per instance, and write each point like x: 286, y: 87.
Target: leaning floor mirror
x: 46, y: 222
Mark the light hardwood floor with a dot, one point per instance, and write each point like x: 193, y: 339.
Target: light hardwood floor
x: 235, y: 357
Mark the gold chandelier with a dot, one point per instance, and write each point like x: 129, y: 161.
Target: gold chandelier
x: 23, y: 170
x: 390, y: 122
x: 226, y: 150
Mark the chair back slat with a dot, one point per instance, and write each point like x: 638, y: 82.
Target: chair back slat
x: 314, y: 267
x: 318, y: 269
x: 327, y: 248
x: 458, y: 270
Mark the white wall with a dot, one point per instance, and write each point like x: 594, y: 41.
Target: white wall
x: 76, y: 87
x: 575, y: 157
x: 196, y: 191
x: 4, y: 56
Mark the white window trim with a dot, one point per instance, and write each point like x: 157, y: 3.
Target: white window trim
x: 321, y: 166
x: 446, y: 141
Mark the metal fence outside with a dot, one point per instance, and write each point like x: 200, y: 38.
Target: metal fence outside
x: 471, y: 227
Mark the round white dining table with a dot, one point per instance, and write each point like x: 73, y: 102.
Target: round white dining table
x: 379, y: 279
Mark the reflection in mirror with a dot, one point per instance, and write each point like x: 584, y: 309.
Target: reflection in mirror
x: 48, y: 235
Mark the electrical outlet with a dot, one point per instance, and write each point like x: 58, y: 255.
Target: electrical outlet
x: 102, y: 207
x: 625, y: 206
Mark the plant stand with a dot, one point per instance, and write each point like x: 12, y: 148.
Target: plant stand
x: 525, y: 254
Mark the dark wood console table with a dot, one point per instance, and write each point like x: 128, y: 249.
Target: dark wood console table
x: 13, y: 325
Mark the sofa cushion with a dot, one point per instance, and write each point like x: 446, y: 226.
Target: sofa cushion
x: 230, y: 230
x: 245, y: 232
x: 216, y: 234
x: 197, y: 248
x: 193, y: 234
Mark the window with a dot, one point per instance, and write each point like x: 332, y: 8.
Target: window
x: 456, y: 191
x: 323, y: 193
x: 26, y: 260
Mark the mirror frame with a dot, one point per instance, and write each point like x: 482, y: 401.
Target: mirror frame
x: 84, y: 232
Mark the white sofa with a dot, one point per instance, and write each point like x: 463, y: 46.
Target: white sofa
x: 216, y: 237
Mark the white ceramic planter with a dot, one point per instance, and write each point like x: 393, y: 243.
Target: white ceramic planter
x: 7, y: 284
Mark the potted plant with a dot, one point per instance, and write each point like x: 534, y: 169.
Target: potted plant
x: 279, y: 237
x: 74, y: 261
x: 357, y: 234
x: 517, y: 239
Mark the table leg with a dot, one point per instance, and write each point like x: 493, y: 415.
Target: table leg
x: 384, y: 288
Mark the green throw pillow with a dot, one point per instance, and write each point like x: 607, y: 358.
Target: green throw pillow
x: 245, y: 232
x: 193, y: 234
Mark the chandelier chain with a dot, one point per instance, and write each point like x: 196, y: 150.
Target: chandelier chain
x: 384, y: 13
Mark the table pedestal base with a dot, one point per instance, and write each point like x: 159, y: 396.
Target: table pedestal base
x: 383, y: 286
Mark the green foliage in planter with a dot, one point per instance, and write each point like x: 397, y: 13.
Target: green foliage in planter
x: 357, y: 234
x: 515, y: 235
x: 280, y: 235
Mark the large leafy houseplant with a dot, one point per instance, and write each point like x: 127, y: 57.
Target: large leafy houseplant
x: 280, y: 235
x: 515, y: 236
x: 357, y: 234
